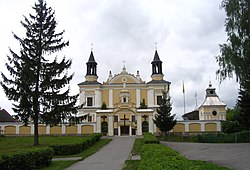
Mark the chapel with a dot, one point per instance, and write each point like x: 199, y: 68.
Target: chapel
x: 124, y: 104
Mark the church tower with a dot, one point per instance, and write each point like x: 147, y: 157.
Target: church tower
x: 91, y: 75
x: 156, y: 67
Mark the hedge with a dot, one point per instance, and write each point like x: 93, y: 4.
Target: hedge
x: 239, y: 137
x: 27, y: 159
x: 69, y: 149
x: 149, y: 138
x: 158, y: 157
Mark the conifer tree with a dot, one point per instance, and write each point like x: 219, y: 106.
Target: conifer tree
x: 39, y: 83
x: 163, y: 119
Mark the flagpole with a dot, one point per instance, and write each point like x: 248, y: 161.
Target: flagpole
x: 184, y: 102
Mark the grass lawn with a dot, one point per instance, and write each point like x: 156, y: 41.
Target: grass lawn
x: 137, y: 146
x: 12, y: 144
x: 59, y: 165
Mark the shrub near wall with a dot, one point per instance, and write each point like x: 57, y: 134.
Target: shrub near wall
x: 27, y: 159
x: 74, y: 148
x: 149, y: 138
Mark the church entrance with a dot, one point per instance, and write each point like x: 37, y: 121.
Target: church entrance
x: 124, y: 130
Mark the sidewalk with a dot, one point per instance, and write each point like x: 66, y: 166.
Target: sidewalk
x: 110, y: 157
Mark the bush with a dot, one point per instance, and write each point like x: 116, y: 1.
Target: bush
x: 240, y: 137
x: 74, y: 148
x: 27, y: 159
x: 149, y: 138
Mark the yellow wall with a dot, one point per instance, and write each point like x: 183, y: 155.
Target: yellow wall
x: 25, y: 130
x: 10, y: 130
x: 116, y: 96
x: 144, y: 95
x: 179, y: 127
x: 194, y: 127
x: 105, y: 97
x: 41, y: 130
x: 133, y: 95
x: 87, y: 129
x: 210, y: 127
x: 71, y: 130
x: 55, y: 130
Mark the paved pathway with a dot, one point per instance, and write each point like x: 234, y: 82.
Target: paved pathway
x: 236, y: 156
x: 110, y: 157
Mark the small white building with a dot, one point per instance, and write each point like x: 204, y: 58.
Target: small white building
x: 212, y: 108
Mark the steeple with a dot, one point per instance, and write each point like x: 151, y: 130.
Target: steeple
x: 91, y: 68
x: 157, y: 67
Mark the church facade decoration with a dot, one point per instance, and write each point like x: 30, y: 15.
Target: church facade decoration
x: 121, y: 95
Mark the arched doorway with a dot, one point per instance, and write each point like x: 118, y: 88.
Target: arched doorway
x: 144, y: 126
x: 104, y: 128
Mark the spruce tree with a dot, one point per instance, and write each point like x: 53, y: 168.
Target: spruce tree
x: 39, y: 83
x: 163, y: 119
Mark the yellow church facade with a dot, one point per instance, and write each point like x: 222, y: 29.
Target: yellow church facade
x: 115, y: 105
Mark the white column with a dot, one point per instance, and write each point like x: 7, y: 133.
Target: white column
x: 47, y: 129
x: 17, y: 129
x: 82, y: 97
x: 151, y: 124
x: 202, y: 126
x: 139, y: 128
x: 218, y: 126
x: 110, y: 125
x: 79, y: 129
x: 32, y: 129
x: 186, y: 126
x: 150, y: 97
x: 119, y: 131
x: 98, y: 98
x: 98, y: 124
x: 110, y: 98
x: 138, y: 97
x: 63, y: 129
x: 130, y: 130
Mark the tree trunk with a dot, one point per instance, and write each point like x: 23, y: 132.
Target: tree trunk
x: 36, y: 140
x: 166, y: 136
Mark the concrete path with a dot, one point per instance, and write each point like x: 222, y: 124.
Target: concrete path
x: 236, y: 156
x: 110, y: 157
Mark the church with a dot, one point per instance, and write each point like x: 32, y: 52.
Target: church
x: 124, y: 104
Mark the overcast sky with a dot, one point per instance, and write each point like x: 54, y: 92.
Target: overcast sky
x: 187, y: 33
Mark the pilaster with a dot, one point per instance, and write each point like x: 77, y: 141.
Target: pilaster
x: 98, y: 124
x: 110, y: 125
x: 138, y: 97
x: 110, y: 98
x: 139, y: 127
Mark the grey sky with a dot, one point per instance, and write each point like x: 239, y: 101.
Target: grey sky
x: 187, y: 34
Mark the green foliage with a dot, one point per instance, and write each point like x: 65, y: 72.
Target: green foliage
x: 143, y: 104
x: 231, y: 126
x: 235, y: 53
x: 131, y: 165
x: 158, y: 157
x: 104, y: 106
x: 240, y: 137
x: 163, y: 120
x: 149, y: 138
x: 179, y: 137
x: 27, y: 159
x: 59, y: 165
x: 73, y: 148
x: 12, y: 144
x: 39, y: 84
x: 137, y: 146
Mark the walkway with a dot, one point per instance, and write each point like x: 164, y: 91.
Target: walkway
x: 110, y: 157
x: 234, y: 156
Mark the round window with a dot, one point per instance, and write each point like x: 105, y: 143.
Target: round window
x: 211, y: 92
x: 124, y: 79
x: 214, y: 113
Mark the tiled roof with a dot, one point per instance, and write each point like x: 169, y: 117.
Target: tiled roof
x: 5, y: 116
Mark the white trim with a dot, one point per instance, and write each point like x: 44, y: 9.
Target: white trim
x: 138, y: 97
x: 110, y: 98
